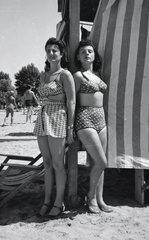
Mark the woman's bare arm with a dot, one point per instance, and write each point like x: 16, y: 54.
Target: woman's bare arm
x: 69, y: 89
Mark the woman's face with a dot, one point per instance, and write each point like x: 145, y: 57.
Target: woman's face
x: 53, y: 53
x: 86, y: 54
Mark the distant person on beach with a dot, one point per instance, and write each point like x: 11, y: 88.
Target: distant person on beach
x: 10, y: 106
x: 29, y: 99
x: 90, y: 122
x: 54, y: 124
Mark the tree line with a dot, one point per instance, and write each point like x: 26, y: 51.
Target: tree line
x: 28, y: 75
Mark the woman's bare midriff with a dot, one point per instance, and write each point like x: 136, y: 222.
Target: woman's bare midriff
x: 90, y: 99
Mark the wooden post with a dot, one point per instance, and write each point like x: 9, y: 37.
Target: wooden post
x: 139, y: 181
x: 72, y: 156
x: 74, y: 31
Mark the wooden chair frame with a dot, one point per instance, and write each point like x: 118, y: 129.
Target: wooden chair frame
x: 17, y: 175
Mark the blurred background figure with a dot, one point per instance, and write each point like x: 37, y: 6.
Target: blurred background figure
x: 29, y: 100
x: 10, y: 106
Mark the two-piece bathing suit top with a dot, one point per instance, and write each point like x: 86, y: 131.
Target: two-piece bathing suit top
x: 89, y: 86
x: 90, y: 117
x: 52, y: 117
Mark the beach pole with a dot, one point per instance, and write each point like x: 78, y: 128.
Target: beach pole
x: 74, y: 28
x: 139, y: 181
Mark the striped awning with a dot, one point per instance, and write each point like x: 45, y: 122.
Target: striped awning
x: 121, y: 34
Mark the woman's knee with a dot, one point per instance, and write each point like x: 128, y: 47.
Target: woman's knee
x: 102, y: 158
x: 98, y: 158
x: 100, y: 164
x: 47, y: 162
x: 58, y: 165
x: 104, y: 163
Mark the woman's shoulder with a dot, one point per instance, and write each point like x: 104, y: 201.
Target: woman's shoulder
x: 66, y: 74
x: 65, y: 71
x: 32, y: 93
x: 78, y: 75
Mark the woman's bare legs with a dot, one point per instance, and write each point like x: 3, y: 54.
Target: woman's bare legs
x: 48, y: 177
x: 99, y: 195
x: 99, y: 190
x: 57, y: 147
x: 90, y: 139
x: 6, y: 118
x: 29, y: 114
x: 52, y: 150
x: 12, y: 114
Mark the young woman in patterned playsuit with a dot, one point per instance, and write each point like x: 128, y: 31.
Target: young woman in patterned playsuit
x: 55, y: 123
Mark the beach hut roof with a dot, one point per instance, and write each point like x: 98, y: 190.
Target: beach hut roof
x: 88, y: 9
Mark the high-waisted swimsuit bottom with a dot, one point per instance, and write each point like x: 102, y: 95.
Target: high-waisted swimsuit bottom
x: 90, y: 117
x: 29, y: 102
x: 9, y: 109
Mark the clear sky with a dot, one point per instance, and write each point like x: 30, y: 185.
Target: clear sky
x: 25, y: 26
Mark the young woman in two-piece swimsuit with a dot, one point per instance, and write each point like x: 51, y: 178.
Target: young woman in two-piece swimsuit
x: 90, y: 122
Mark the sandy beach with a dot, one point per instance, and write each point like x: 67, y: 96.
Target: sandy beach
x: 128, y: 221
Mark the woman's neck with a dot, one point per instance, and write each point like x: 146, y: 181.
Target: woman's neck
x: 55, y: 67
x: 87, y: 68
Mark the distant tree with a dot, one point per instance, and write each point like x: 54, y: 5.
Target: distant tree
x: 27, y: 75
x: 2, y: 99
x: 4, y: 75
x: 5, y: 87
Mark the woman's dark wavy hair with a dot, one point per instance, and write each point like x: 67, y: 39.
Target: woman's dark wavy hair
x: 97, y: 62
x: 47, y: 66
x: 62, y: 47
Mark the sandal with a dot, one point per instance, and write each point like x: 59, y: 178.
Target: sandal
x: 106, y: 209
x: 61, y: 209
x: 91, y: 207
x: 48, y: 206
x: 50, y: 216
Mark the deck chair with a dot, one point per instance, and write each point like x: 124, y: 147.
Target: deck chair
x: 16, y: 172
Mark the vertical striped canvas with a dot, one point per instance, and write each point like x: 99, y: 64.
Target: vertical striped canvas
x: 120, y: 32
